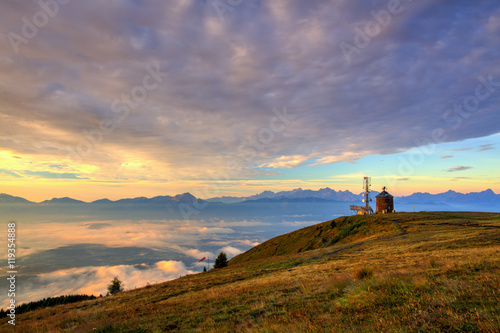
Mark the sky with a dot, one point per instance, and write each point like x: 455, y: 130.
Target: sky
x: 233, y: 97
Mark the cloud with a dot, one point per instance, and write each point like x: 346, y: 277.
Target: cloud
x: 244, y: 223
x: 345, y: 156
x: 486, y: 147
x: 231, y: 251
x: 195, y: 253
x: 52, y: 175
x: 155, y: 234
x: 402, y: 179
x: 287, y: 161
x: 167, y: 236
x: 205, y: 230
x: 97, y: 225
x: 447, y: 156
x: 460, y: 178
x: 225, y: 79
x: 249, y: 242
x: 458, y: 168
x: 94, y: 280
x: 151, y: 245
x: 10, y: 173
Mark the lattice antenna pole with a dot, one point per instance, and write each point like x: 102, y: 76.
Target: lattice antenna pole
x: 366, y: 185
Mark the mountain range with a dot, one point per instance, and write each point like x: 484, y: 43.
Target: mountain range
x: 327, y: 194
x: 324, y: 193
x: 185, y: 198
x: 296, y: 195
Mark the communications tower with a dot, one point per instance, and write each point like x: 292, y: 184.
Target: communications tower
x: 367, y: 182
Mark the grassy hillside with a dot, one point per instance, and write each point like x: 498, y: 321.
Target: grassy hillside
x: 343, y: 230
x: 405, y: 272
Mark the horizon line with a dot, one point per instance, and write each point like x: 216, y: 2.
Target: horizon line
x: 180, y: 194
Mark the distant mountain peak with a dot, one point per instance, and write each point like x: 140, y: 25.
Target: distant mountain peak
x: 268, y: 192
x: 184, y: 195
x: 65, y: 200
x: 102, y: 201
x: 186, y: 198
x: 6, y: 198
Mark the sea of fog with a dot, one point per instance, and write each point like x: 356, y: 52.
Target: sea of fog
x: 65, y: 251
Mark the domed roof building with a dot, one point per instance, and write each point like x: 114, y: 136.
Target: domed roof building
x: 385, y: 202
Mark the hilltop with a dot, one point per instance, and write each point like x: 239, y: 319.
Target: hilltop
x: 432, y: 272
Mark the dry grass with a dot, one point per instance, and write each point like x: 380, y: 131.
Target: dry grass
x: 363, y: 273
x: 424, y: 272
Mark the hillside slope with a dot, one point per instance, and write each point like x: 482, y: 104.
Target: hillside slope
x: 342, y: 230
x: 432, y: 272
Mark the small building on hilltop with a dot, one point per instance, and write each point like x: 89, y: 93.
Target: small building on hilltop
x: 385, y: 202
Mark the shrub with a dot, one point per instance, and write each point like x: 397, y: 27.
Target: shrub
x: 363, y: 273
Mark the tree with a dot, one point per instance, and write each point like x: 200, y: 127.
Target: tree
x: 221, y: 260
x: 115, y: 286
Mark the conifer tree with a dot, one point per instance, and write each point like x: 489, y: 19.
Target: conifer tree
x: 221, y: 260
x: 115, y: 286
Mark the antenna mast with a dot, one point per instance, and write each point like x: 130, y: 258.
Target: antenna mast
x: 367, y: 183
